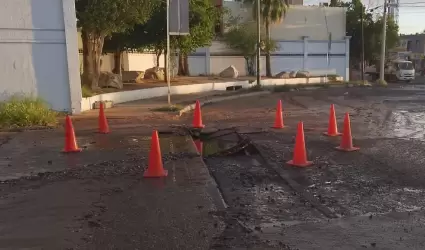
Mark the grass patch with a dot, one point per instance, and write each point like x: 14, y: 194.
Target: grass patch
x: 287, y: 88
x: 26, y: 112
x: 382, y: 83
x: 86, y: 91
x: 169, y: 108
x: 333, y: 77
x: 358, y: 83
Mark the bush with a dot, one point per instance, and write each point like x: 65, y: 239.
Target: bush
x: 86, y: 91
x: 26, y: 112
x: 171, y: 108
x: 332, y: 78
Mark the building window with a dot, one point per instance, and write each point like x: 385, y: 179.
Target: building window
x: 417, y: 43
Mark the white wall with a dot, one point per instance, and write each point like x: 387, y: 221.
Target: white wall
x: 310, y: 55
x: 142, y: 62
x: 312, y: 21
x: 38, y: 52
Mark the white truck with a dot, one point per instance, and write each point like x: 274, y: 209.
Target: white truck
x: 395, y: 70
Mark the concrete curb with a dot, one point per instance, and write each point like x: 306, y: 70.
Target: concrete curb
x: 220, y: 99
x: 213, y: 188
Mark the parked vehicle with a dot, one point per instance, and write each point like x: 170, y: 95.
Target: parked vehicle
x: 395, y: 70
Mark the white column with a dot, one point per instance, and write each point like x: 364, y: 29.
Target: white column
x: 305, y: 51
x: 347, y: 58
x: 73, y: 61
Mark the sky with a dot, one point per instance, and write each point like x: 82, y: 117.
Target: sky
x: 411, y: 13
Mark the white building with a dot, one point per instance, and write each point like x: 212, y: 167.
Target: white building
x: 303, y: 39
x: 39, y: 52
x: 39, y: 49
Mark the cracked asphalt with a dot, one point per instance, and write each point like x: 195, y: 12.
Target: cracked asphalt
x: 240, y: 199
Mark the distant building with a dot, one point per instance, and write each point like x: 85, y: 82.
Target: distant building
x: 302, y: 38
x: 415, y: 46
x: 296, y: 2
x: 291, y: 2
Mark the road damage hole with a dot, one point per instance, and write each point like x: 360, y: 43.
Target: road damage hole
x: 258, y: 199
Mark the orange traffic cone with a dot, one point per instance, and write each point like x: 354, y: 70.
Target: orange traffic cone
x: 70, y: 141
x: 155, y: 167
x: 199, y: 145
x: 332, y: 127
x: 347, y: 139
x: 103, y: 123
x: 278, y: 123
x: 300, y: 155
x: 197, y: 117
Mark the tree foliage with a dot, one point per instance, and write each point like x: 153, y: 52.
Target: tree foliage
x: 101, y: 18
x: 372, y: 32
x: 243, y: 38
x: 105, y: 17
x: 392, y: 36
x: 271, y: 12
x: 203, y: 17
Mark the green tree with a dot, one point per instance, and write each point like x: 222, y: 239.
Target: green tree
x: 333, y: 3
x: 149, y: 36
x: 271, y: 12
x: 243, y: 38
x: 203, y: 18
x: 101, y: 18
x: 117, y: 43
x: 372, y: 32
x: 392, y: 36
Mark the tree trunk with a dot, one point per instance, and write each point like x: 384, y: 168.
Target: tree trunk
x: 181, y: 71
x: 268, y: 64
x: 117, y: 62
x: 250, y: 65
x: 158, y: 53
x: 92, y: 51
x: 186, y: 65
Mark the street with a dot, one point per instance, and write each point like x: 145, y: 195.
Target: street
x: 240, y: 194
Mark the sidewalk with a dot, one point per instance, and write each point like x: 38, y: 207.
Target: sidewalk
x: 141, y: 113
x: 98, y: 199
x: 131, y: 124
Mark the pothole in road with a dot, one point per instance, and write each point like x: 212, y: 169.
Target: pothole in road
x: 258, y: 198
x: 262, y: 201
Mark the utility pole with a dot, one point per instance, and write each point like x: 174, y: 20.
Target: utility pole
x: 383, y: 41
x: 363, y: 61
x: 258, y: 43
x: 167, y: 59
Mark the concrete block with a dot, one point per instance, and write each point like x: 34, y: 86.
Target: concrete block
x: 106, y: 104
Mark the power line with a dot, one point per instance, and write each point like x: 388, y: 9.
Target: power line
x: 413, y: 3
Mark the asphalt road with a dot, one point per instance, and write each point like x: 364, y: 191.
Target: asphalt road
x: 370, y: 199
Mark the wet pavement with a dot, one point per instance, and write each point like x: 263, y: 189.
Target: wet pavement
x: 106, y: 204
x: 240, y: 194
